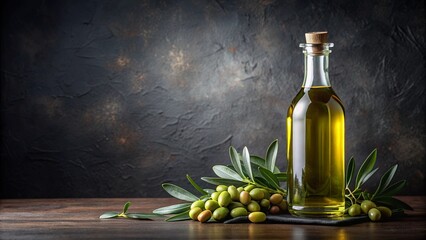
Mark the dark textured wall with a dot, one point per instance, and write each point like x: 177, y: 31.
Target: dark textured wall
x: 112, y: 98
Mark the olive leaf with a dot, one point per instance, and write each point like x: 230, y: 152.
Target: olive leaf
x: 366, y: 167
x: 270, y: 177
x: 179, y: 217
x: 209, y: 191
x: 393, y: 189
x: 226, y: 172
x: 235, y: 160
x: 350, y: 171
x: 109, y: 215
x: 282, y: 177
x: 179, y: 192
x: 385, y: 180
x: 271, y: 156
x: 173, y: 209
x: 393, y: 203
x: 195, y: 185
x: 223, y: 181
x: 142, y: 216
x: 247, y: 163
x: 126, y: 207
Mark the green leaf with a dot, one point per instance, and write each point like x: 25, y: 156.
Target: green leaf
x: 173, y: 209
x: 271, y: 156
x: 350, y: 171
x: 179, y: 192
x: 142, y: 216
x: 386, y: 179
x: 209, y: 191
x: 222, y: 181
x: 179, y: 217
x: 126, y: 207
x: 225, y: 172
x: 270, y: 177
x: 257, y: 162
x: 109, y: 215
x: 282, y: 177
x: 366, y: 167
x: 235, y: 160
x: 247, y: 163
x: 195, y: 185
x: 264, y: 182
x: 393, y: 189
x: 393, y: 203
x: 368, y: 176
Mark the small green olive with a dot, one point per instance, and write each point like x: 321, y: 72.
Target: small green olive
x: 204, y: 216
x: 266, y: 194
x: 265, y: 203
x: 256, y: 194
x: 257, y: 217
x: 253, y: 206
x: 224, y: 199
x: 215, y: 196
x: 211, y: 205
x: 221, y: 188
x: 198, y: 203
x: 220, y: 214
x: 276, y: 198
x: 194, y: 212
x: 283, y: 205
x: 245, y: 197
x: 235, y: 195
x: 274, y: 210
x: 248, y: 188
x: 385, y: 211
x: 238, y: 212
x: 233, y: 205
x: 374, y: 214
x: 366, y: 205
x: 240, y: 189
x: 354, y: 210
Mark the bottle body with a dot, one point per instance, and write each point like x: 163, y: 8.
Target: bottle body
x: 316, y: 143
x: 316, y: 139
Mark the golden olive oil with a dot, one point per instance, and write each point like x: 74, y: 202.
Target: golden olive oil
x: 316, y: 140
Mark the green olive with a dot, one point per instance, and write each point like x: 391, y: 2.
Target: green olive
x: 276, y: 198
x: 240, y: 189
x: 204, y: 216
x: 248, y: 188
x: 274, y: 210
x: 366, y: 205
x: 211, y: 205
x: 265, y: 203
x: 256, y: 194
x: 374, y: 214
x: 235, y: 195
x: 221, y: 188
x: 198, y: 203
x: 253, y: 206
x: 233, y: 205
x: 354, y: 210
x: 266, y: 194
x: 215, y: 196
x: 385, y: 211
x: 220, y: 214
x: 283, y: 205
x: 238, y: 212
x: 245, y: 197
x: 194, y: 212
x: 257, y: 217
x: 224, y: 199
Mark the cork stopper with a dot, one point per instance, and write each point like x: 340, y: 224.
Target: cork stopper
x: 316, y: 37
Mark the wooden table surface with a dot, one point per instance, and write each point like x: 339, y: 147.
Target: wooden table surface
x: 79, y: 219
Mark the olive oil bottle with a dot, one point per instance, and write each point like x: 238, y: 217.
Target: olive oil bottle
x: 316, y: 138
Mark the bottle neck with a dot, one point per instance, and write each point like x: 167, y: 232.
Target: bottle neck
x: 316, y: 65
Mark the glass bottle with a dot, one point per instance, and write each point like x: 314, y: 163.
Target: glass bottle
x: 316, y: 138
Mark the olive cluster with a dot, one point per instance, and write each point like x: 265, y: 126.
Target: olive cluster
x: 368, y: 207
x: 231, y: 202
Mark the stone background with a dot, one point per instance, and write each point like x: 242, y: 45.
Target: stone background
x: 112, y: 98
